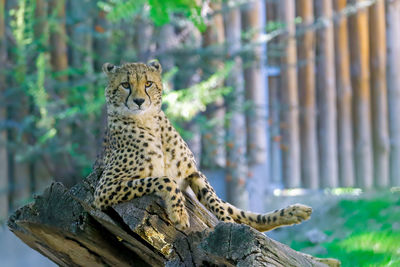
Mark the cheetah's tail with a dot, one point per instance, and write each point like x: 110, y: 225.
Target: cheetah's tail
x: 229, y: 213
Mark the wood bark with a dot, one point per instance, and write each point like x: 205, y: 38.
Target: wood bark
x: 255, y: 86
x: 275, y: 168
x: 62, y: 225
x: 166, y: 44
x: 3, y: 116
x: 379, y: 93
x: 58, y: 44
x: 360, y: 79
x: 101, y: 40
x: 289, y: 101
x: 307, y: 90
x: 344, y: 98
x: 236, y: 164
x: 143, y: 37
x: 393, y: 83
x: 213, y: 138
x: 326, y: 91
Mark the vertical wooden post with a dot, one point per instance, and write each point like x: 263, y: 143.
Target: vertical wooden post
x: 360, y: 78
x: 213, y: 149
x: 308, y: 111
x: 58, y: 44
x: 344, y: 97
x: 290, y: 105
x: 326, y: 86
x: 393, y: 82
x: 275, y: 157
x: 255, y: 88
x: 3, y: 116
x: 236, y: 126
x: 379, y: 93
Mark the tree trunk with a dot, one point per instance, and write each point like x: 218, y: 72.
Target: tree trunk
x: 306, y: 79
x: 393, y: 82
x: 344, y: 98
x: 327, y: 137
x: 3, y: 116
x: 144, y: 33
x: 289, y: 103
x: 166, y: 43
x: 101, y: 40
x: 236, y: 164
x: 379, y: 93
x: 58, y: 44
x: 274, y: 102
x: 213, y: 138
x: 255, y: 87
x: 253, y: 23
x: 62, y: 225
x: 359, y: 55
x: 79, y: 28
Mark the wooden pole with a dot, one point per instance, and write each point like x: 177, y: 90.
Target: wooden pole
x: 344, y: 98
x: 393, y: 82
x: 306, y: 78
x: 290, y: 112
x: 360, y: 78
x: 255, y: 88
x: 213, y: 141
x: 58, y: 44
x: 275, y: 157
x: 3, y: 116
x: 326, y: 86
x: 236, y: 126
x: 380, y: 128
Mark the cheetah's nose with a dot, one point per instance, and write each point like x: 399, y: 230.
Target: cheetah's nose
x: 138, y: 101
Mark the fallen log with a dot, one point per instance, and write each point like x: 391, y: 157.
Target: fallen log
x: 62, y: 225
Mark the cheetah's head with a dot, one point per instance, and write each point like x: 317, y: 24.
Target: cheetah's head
x: 134, y: 89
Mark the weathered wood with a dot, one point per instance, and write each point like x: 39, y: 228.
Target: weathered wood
x: 58, y: 42
x: 236, y: 137
x: 307, y: 91
x: 326, y: 91
x: 289, y: 95
x: 3, y: 116
x: 255, y: 86
x: 380, y: 127
x: 62, y: 225
x: 360, y: 79
x: 393, y: 82
x: 344, y: 98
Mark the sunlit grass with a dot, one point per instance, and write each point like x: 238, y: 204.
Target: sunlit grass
x: 360, y: 232
x: 367, y: 249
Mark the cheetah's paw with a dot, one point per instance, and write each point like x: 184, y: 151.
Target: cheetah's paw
x: 180, y: 218
x: 297, y: 213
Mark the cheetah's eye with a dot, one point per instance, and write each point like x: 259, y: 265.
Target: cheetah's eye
x: 126, y: 85
x: 148, y: 84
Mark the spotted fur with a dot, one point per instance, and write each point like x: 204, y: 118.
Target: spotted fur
x: 147, y: 155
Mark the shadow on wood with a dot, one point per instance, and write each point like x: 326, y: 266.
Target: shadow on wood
x: 62, y: 225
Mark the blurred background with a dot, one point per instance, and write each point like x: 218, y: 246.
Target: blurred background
x: 280, y: 101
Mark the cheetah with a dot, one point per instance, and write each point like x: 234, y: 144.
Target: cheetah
x: 146, y: 155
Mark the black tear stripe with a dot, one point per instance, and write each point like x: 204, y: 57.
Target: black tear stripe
x: 130, y: 91
x: 145, y: 90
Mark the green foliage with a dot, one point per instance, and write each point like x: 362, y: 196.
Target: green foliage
x: 159, y: 11
x: 186, y: 103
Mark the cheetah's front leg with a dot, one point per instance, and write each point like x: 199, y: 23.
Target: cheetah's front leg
x: 110, y: 192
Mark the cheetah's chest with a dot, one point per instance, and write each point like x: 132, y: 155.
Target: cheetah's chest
x: 137, y: 153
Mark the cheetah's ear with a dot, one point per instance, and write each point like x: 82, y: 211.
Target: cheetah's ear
x: 155, y: 65
x: 109, y: 68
